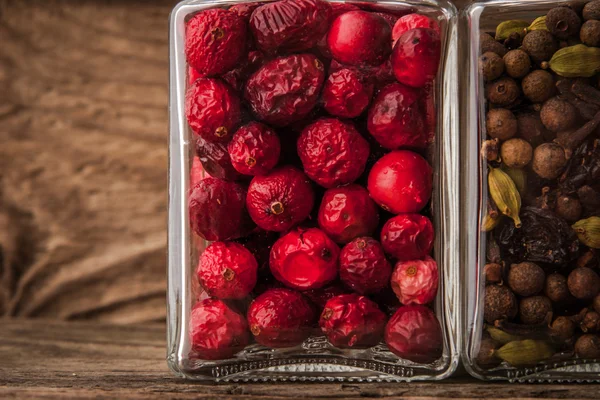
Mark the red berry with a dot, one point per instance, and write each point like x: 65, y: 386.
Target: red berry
x: 360, y: 37
x: 389, y: 18
x: 412, y: 21
x: 193, y: 75
x: 416, y: 281
x: 333, y: 153
x: 236, y: 78
x: 215, y: 40
x: 321, y: 296
x: 348, y: 212
x: 346, y: 94
x: 281, y: 199
x: 227, y: 270
x: 363, y: 266
x: 217, y: 332
x: 196, y: 172
x: 218, y: 210
x: 416, y: 57
x: 337, y: 9
x: 285, y: 90
x: 414, y: 333
x: 212, y: 110
x: 376, y: 74
x: 290, y: 25
x: 305, y: 259
x: 215, y: 160
x: 280, y: 318
x: 395, y: 119
x: 244, y: 10
x: 407, y: 237
x: 254, y: 149
x: 350, y: 320
x: 401, y: 182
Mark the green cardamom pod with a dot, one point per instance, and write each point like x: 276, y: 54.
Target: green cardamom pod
x: 489, y: 222
x: 525, y: 352
x: 579, y: 61
x: 505, y: 194
x: 504, y: 30
x: 518, y: 176
x: 588, y: 231
x: 502, y: 337
x: 538, y: 24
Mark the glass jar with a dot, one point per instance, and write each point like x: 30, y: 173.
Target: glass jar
x: 523, y: 171
x: 197, y: 349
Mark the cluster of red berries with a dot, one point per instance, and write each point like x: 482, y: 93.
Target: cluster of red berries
x: 310, y: 119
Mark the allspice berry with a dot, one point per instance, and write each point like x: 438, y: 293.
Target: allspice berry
x: 562, y: 329
x: 502, y: 92
x: 590, y: 33
x: 526, y: 278
x: 540, y: 45
x: 534, y: 310
x: 485, y: 357
x: 568, y: 208
x: 530, y: 128
x: 516, y: 153
x: 501, y: 123
x: 549, y: 160
x: 538, y: 86
x: 588, y: 346
x: 563, y: 22
x: 592, y: 10
x: 492, y: 273
x: 584, y: 283
x: 490, y: 45
x: 499, y: 303
x: 590, y: 322
x: 556, y: 288
x: 517, y: 63
x: 491, y: 66
x: 558, y: 115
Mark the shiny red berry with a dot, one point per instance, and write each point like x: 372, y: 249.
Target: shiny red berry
x: 401, y: 182
x: 348, y: 212
x: 408, y: 236
x: 217, y: 332
x: 333, y: 153
x: 412, y: 21
x: 254, y: 149
x: 416, y: 57
x: 350, y: 320
x: 322, y: 295
x: 346, y: 94
x: 416, y: 281
x: 215, y: 160
x: 395, y: 119
x: 280, y: 200
x: 285, y: 90
x: 227, y: 270
x: 280, y: 318
x: 360, y: 37
x: 414, y: 333
x: 337, y: 9
x: 305, y: 259
x: 215, y: 40
x: 364, y: 267
x: 212, y: 110
x: 217, y: 210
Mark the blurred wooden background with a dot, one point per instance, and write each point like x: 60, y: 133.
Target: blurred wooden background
x: 83, y: 159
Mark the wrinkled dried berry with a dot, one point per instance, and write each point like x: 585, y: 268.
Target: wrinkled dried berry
x: 364, y: 267
x: 352, y: 321
x: 556, y: 288
x: 499, y: 303
x: 244, y: 10
x: 215, y: 160
x: 584, y: 283
x: 236, y: 78
x: 416, y: 281
x: 412, y: 21
x: 534, y: 310
x: 346, y: 94
x: 254, y: 149
x: 526, y: 278
x: 305, y: 259
x: 196, y: 172
x: 416, y: 57
x: 408, y: 237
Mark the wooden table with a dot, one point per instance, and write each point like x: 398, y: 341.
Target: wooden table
x: 62, y: 360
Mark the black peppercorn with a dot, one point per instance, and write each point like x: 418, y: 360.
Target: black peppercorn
x: 499, y: 303
x: 526, y: 278
x: 534, y: 310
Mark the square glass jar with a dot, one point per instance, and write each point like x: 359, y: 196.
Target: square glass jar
x: 556, y: 359
x: 315, y: 359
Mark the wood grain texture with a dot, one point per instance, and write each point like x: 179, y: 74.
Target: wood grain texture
x: 60, y: 360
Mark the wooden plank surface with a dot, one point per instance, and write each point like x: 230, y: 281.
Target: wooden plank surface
x: 61, y: 360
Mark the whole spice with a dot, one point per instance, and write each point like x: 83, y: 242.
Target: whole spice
x: 499, y: 303
x: 568, y: 208
x: 501, y: 124
x: 516, y: 153
x: 591, y: 10
x: 556, y: 288
x: 558, y: 115
x: 516, y: 63
x: 493, y: 273
x: 584, y: 283
x: 590, y: 33
x: 505, y: 194
x: 562, y: 329
x: 549, y: 160
x: 538, y: 86
x: 525, y: 352
x: 491, y: 66
x: 588, y: 346
x: 563, y: 22
x: 490, y: 150
x: 576, y: 61
x: 535, y: 310
x: 540, y: 45
x: 502, y: 92
x: 526, y: 279
x: 588, y: 231
x: 590, y: 322
x: 485, y: 356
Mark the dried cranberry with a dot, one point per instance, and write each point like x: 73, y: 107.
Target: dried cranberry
x: 218, y: 210
x: 281, y: 199
x: 389, y: 18
x: 212, y: 110
x: 379, y: 75
x: 333, y: 153
x: 348, y: 212
x: 227, y: 270
x: 416, y: 281
x: 290, y: 25
x: 215, y: 40
x: 351, y: 320
x: 217, y: 332
x: 215, y: 160
x: 236, y: 78
x: 193, y: 75
x: 395, y: 119
x: 359, y: 37
x: 407, y: 237
x: 280, y: 318
x: 363, y: 266
x: 414, y: 333
x: 412, y: 21
x: 254, y: 149
x: 401, y: 182
x: 322, y: 295
x: 346, y: 94
x: 244, y: 10
x: 305, y: 259
x: 196, y: 172
x: 416, y: 57
x: 286, y: 89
